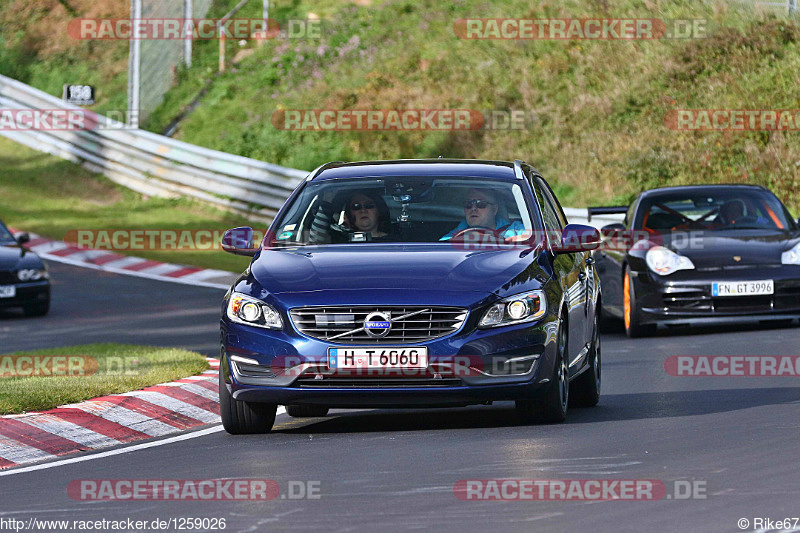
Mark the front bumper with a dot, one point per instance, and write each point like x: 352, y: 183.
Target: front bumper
x: 37, y: 292
x: 686, y: 297
x: 508, y: 363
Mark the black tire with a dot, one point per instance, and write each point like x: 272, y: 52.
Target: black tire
x: 633, y: 324
x: 584, y: 391
x: 241, y: 418
x: 37, y: 309
x: 551, y: 406
x: 306, y: 411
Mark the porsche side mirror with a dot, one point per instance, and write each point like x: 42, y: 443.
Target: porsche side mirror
x: 578, y: 238
x: 239, y: 241
x: 22, y: 238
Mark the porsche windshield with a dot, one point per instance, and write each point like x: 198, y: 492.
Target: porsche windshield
x: 726, y: 209
x: 413, y: 209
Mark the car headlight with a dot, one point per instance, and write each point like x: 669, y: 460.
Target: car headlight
x: 516, y: 309
x: 792, y: 257
x: 664, y: 261
x: 253, y: 312
x: 33, y: 274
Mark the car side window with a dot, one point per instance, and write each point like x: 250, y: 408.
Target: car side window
x: 552, y: 223
x: 554, y: 205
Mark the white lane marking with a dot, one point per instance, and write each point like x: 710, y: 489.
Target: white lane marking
x: 49, y: 247
x: 194, y: 389
x: 124, y: 262
x: 18, y: 452
x: 162, y: 269
x: 68, y: 430
x: 104, y: 268
x: 175, y: 405
x: 120, y: 451
x: 125, y: 417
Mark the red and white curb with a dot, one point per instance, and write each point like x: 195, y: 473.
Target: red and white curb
x: 111, y: 420
x: 63, y: 252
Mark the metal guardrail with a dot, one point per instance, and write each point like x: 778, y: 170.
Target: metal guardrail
x: 153, y: 164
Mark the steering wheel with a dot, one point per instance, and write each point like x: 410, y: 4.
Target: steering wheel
x: 479, y: 231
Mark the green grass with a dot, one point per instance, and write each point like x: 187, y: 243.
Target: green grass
x: 114, y: 368
x: 598, y: 134
x: 49, y: 196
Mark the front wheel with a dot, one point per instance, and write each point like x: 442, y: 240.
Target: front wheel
x: 551, y: 407
x: 240, y: 418
x: 630, y: 311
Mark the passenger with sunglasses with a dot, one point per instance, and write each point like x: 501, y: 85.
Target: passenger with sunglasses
x: 480, y: 211
x: 365, y: 212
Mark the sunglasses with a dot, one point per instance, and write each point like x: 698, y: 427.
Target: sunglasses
x: 359, y: 206
x: 480, y: 204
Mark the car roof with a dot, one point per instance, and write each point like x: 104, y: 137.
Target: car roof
x: 503, y: 170
x: 710, y: 189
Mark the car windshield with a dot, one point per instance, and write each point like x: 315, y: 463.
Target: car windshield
x: 5, y: 235
x: 726, y: 209
x: 401, y: 209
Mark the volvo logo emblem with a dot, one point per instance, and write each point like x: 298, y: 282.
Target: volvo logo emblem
x: 737, y: 258
x: 377, y: 325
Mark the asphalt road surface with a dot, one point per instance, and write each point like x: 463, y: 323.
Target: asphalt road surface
x: 733, y: 438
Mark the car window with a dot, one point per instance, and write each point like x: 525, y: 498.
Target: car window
x: 400, y: 209
x: 5, y: 235
x: 722, y: 209
x: 551, y: 199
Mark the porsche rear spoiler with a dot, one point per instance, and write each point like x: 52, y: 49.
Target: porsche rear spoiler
x: 615, y: 210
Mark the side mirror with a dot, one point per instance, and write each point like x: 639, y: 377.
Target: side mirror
x: 578, y: 238
x: 22, y: 238
x: 239, y: 241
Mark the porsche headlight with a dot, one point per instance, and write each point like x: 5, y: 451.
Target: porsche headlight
x: 33, y: 274
x: 515, y: 309
x: 792, y: 257
x: 664, y: 261
x: 252, y: 312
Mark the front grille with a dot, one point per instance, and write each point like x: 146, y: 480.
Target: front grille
x: 345, y: 325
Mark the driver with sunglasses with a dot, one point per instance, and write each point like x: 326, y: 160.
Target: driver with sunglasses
x: 480, y: 211
x: 365, y: 212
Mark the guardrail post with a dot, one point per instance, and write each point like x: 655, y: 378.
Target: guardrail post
x: 792, y: 6
x: 134, y: 68
x: 187, y: 43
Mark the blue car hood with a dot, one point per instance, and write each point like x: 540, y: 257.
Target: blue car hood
x: 388, y: 269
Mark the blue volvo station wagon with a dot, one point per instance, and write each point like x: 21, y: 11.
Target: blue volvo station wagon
x: 414, y: 283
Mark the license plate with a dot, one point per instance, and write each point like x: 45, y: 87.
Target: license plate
x: 8, y: 291
x: 742, y: 288
x: 368, y: 358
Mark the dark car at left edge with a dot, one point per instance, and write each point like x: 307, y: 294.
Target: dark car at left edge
x: 24, y: 279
